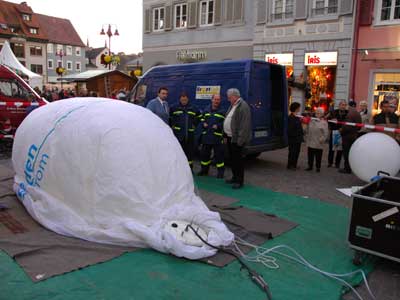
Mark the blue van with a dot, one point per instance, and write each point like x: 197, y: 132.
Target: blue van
x: 262, y: 85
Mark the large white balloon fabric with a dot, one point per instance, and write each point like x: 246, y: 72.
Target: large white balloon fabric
x: 374, y: 152
x: 111, y: 172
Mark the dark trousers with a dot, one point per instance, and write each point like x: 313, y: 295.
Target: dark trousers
x: 237, y: 161
x: 205, y: 157
x: 346, y: 150
x: 331, y: 153
x: 294, y: 152
x: 314, y: 153
x: 188, y: 148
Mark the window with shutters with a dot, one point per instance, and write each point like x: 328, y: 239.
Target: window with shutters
x: 180, y: 16
x: 206, y: 12
x: 325, y: 7
x: 158, y: 19
x: 282, y: 10
x: 388, y: 11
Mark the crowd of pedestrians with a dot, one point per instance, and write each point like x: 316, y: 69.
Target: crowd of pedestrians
x: 317, y: 131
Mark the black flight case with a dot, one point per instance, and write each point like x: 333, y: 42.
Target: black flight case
x: 375, y: 219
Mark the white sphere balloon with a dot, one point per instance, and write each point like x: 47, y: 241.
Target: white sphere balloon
x: 374, y: 152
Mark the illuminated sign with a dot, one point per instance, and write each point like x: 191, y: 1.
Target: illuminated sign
x: 191, y: 55
x: 320, y: 59
x: 284, y: 59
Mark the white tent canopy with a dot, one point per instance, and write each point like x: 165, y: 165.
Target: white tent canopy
x: 8, y: 58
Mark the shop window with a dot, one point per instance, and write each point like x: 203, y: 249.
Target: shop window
x: 180, y: 16
x: 282, y: 10
x: 320, y: 86
x: 158, y: 19
x: 38, y: 69
x: 206, y: 12
x: 324, y: 7
x: 386, y: 87
x: 18, y: 49
x: 50, y: 64
x: 35, y: 50
x: 388, y: 11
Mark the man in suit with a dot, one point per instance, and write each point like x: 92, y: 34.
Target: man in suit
x: 159, y: 105
x: 238, y: 129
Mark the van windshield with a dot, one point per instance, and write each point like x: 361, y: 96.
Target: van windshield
x: 139, y: 94
x: 12, y: 89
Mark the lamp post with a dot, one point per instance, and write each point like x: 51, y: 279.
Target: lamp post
x: 60, y: 69
x: 109, y: 33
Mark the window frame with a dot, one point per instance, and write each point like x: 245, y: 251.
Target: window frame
x: 207, y: 13
x: 68, y: 50
x: 69, y: 63
x: 325, y: 8
x: 50, y: 48
x: 181, y: 5
x: 52, y: 64
x: 35, y: 52
x: 33, y: 30
x: 27, y: 17
x: 19, y: 45
x: 78, y: 51
x: 78, y: 63
x: 378, y: 15
x: 60, y: 64
x: 35, y: 71
x: 158, y: 9
x: 283, y: 13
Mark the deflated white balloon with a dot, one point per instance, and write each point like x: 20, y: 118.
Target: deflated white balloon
x: 374, y: 152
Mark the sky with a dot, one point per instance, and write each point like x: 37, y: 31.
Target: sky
x: 88, y: 17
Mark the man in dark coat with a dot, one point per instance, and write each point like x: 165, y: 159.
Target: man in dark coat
x: 295, y: 136
x: 349, y: 135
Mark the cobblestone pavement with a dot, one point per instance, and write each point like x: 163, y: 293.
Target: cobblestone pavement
x: 269, y: 171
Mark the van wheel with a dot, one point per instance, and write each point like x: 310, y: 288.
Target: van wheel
x: 253, y: 155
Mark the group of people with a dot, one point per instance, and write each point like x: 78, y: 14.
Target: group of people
x: 318, y: 130
x: 218, y: 129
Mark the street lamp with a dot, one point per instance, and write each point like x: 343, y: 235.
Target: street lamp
x: 60, y: 69
x: 109, y: 34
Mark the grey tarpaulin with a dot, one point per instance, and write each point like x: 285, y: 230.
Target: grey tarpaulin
x: 43, y: 253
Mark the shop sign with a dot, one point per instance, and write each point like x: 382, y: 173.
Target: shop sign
x: 205, y: 92
x: 191, y: 55
x: 320, y: 59
x: 284, y: 59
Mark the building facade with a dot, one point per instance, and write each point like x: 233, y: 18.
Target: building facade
x: 64, y: 47
x: 196, y: 30
x: 20, y: 26
x: 376, y: 59
x: 313, y: 38
x: 36, y: 40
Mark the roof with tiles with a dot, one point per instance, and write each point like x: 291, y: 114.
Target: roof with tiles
x: 12, y: 22
x: 59, y: 30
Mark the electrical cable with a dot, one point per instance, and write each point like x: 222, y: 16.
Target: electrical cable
x: 300, y: 259
x: 255, y: 277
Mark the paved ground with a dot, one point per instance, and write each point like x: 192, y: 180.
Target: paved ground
x: 269, y: 171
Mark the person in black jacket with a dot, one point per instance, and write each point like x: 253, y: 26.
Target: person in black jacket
x: 295, y: 136
x: 184, y: 119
